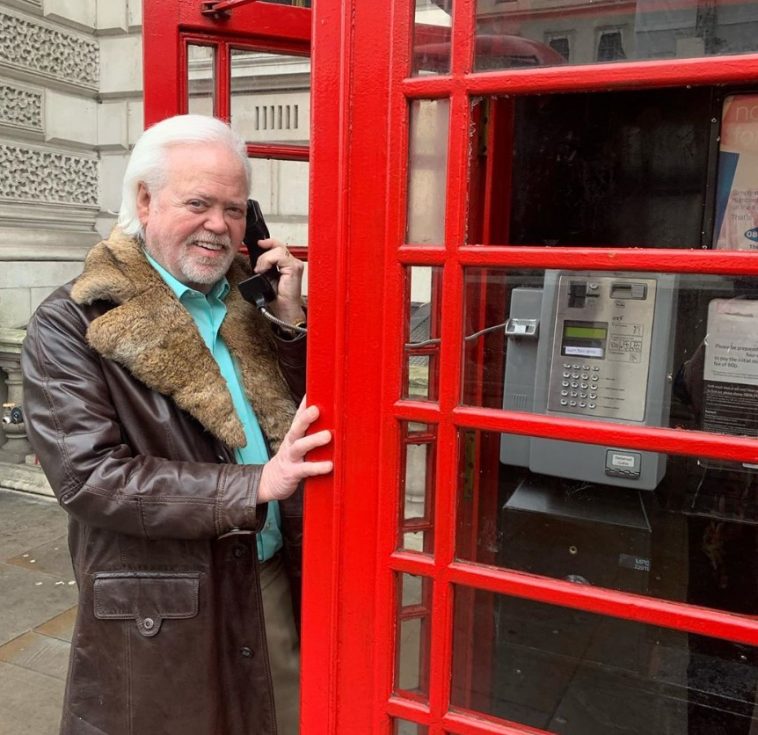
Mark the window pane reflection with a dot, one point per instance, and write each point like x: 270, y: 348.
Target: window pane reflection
x: 520, y: 34
x: 201, y: 79
x: 418, y: 456
x: 422, y: 346
x: 431, y: 36
x: 403, y: 727
x: 693, y: 539
x: 577, y: 673
x: 606, y: 169
x: 427, y: 171
x: 282, y: 188
x: 270, y: 100
x: 413, y: 626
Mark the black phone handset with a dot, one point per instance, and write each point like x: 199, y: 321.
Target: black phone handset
x: 260, y: 288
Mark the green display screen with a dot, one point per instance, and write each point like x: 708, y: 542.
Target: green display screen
x: 585, y: 332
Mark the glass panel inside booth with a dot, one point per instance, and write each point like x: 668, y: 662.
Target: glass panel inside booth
x: 427, y: 171
x: 431, y: 36
x: 606, y: 169
x: 642, y: 349
x: 646, y: 349
x: 519, y: 34
x: 576, y: 673
x: 281, y: 188
x: 201, y: 79
x: 270, y: 100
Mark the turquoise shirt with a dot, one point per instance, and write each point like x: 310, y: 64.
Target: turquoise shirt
x: 208, y: 312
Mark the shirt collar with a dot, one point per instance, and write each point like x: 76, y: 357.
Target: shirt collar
x: 219, y: 290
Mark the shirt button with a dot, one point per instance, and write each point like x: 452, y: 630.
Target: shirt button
x: 246, y: 652
x: 239, y: 551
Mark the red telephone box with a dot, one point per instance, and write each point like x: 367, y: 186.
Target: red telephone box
x: 532, y: 316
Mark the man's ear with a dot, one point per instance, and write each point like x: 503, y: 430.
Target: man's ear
x: 143, y: 202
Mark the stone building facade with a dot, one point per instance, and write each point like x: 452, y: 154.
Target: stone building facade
x: 70, y: 107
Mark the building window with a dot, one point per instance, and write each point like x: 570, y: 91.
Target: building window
x: 561, y: 45
x: 610, y: 46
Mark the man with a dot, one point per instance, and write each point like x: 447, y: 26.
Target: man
x: 154, y: 395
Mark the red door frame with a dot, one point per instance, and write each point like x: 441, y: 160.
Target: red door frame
x: 359, y: 171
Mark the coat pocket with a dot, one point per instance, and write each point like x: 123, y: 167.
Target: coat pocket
x: 148, y: 598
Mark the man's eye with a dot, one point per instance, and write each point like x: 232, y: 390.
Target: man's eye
x: 236, y: 212
x: 196, y: 203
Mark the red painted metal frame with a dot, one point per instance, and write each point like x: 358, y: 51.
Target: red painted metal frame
x: 359, y: 171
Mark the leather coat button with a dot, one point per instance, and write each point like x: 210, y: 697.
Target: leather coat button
x: 149, y: 623
x: 246, y: 652
x: 239, y: 551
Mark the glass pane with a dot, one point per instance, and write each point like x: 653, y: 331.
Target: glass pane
x: 414, y: 611
x: 270, y: 97
x: 519, y: 34
x: 281, y: 188
x: 431, y: 37
x: 427, y: 166
x: 652, y: 349
x: 542, y: 507
x: 418, y: 453
x: 403, y: 727
x: 422, y: 346
x: 576, y: 673
x: 736, y: 219
x: 201, y: 79
x: 606, y: 169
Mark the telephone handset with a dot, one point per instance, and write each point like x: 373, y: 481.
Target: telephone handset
x: 261, y: 287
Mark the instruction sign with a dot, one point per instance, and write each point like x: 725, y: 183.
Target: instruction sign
x: 730, y: 373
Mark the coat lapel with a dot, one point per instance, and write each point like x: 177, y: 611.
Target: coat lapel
x: 151, y: 334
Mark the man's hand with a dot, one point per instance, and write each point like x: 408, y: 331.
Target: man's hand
x: 284, y: 471
x: 288, y: 305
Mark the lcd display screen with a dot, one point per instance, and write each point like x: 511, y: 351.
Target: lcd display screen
x: 584, y: 339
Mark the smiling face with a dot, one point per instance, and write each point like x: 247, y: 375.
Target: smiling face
x: 195, y: 221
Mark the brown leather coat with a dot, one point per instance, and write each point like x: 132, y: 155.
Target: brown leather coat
x: 135, y: 429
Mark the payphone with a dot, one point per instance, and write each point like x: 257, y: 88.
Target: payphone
x: 591, y: 344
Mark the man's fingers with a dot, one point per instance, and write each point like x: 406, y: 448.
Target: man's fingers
x: 313, y: 469
x: 304, y: 417
x: 305, y: 444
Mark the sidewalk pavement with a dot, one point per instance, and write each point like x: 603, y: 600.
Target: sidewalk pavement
x: 37, y: 612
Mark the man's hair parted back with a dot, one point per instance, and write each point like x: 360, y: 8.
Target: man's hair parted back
x: 147, y: 161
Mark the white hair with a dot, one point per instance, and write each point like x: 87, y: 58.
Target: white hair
x: 147, y: 162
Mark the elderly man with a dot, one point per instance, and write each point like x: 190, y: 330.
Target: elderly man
x: 161, y: 407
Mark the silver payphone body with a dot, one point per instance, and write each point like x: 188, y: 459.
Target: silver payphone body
x: 591, y: 344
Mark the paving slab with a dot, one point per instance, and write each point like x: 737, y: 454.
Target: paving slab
x: 30, y: 702
x: 60, y: 627
x: 51, y: 558
x: 30, y: 598
x: 27, y: 521
x: 39, y: 653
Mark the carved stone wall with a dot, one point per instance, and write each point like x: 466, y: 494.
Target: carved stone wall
x: 43, y: 176
x: 20, y: 107
x: 29, y: 45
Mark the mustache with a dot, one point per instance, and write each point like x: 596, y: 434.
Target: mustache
x: 209, y: 238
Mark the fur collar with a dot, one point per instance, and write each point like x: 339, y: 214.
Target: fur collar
x: 152, y: 335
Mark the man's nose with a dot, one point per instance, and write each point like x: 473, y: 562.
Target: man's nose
x: 215, y: 222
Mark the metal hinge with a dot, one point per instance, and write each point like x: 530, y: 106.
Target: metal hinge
x: 221, y: 9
